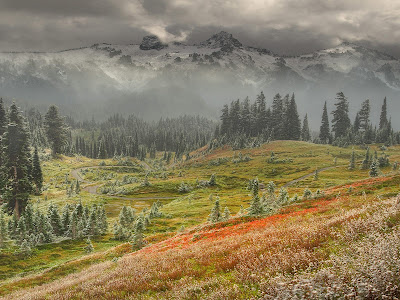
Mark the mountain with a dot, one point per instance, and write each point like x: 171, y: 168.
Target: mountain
x: 153, y: 77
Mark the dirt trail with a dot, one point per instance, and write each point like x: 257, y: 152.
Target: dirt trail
x: 308, y: 175
x: 91, y: 187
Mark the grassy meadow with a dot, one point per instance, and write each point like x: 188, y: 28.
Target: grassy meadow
x: 319, y: 244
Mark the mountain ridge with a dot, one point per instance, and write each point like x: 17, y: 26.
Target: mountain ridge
x: 213, y: 72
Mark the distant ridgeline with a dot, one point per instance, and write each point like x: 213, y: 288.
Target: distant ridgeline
x: 245, y: 124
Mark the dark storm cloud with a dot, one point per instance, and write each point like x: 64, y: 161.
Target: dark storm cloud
x: 284, y: 26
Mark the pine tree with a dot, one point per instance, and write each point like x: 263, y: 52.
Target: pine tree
x: 374, y: 169
x: 16, y: 159
x: 341, y: 121
x: 55, y: 219
x: 352, y: 164
x: 89, y: 246
x: 37, y: 175
x: 225, y: 125
x: 262, y: 119
x: 25, y: 248
x: 305, y: 131
x: 102, y: 223
x: 215, y: 215
x: 367, y: 160
x: 277, y: 117
x: 138, y: 237
x: 66, y: 219
x: 226, y: 214
x: 256, y: 207
x: 292, y: 124
x: 55, y: 130
x: 212, y: 181
x: 383, y: 120
x: 364, y: 115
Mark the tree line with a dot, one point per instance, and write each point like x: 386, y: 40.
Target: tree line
x: 242, y: 120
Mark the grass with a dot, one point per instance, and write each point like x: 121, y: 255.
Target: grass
x: 345, y: 190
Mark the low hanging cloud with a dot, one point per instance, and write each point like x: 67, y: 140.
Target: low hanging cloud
x: 284, y: 26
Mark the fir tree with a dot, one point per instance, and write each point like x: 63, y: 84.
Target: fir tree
x: 16, y: 159
x: 37, y: 175
x: 324, y: 132
x: 89, y: 246
x: 277, y: 117
x: 293, y: 124
x: 138, y: 237
x: 256, y: 207
x: 55, y: 219
x: 374, y: 169
x: 383, y: 120
x: 212, y: 181
x: 367, y: 160
x: 364, y: 115
x: 341, y: 121
x: 55, y: 130
x: 215, y: 215
x: 305, y: 131
x: 226, y: 214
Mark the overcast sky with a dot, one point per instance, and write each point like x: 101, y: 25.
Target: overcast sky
x: 283, y: 26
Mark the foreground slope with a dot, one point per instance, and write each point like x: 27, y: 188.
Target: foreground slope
x: 330, y: 244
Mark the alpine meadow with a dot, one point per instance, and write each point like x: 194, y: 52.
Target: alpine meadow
x: 210, y: 150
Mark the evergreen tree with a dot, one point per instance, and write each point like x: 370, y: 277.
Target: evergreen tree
x: 374, y: 169
x: 66, y: 219
x: 293, y: 124
x: 364, y: 115
x: 55, y: 219
x: 367, y: 160
x: 37, y: 175
x: 212, y: 181
x: 356, y: 125
x: 89, y: 246
x: 305, y: 131
x: 225, y: 125
x: 256, y: 207
x: 261, y: 113
x: 277, y: 117
x: 138, y: 237
x: 55, y: 130
x: 341, y: 121
x: 215, y: 215
x: 324, y: 131
x: 15, y: 162
x: 383, y: 120
x: 226, y: 215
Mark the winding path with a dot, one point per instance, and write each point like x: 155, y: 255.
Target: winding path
x: 308, y: 175
x: 91, y: 187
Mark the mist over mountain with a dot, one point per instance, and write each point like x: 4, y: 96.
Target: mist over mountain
x: 154, y: 79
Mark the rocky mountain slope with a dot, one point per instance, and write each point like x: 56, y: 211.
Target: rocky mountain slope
x: 180, y: 78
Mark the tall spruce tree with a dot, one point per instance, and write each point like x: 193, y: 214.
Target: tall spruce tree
x: 383, y: 120
x: 341, y: 121
x: 15, y: 162
x: 324, y: 131
x: 293, y: 124
x: 37, y: 175
x: 364, y: 115
x: 261, y: 112
x: 55, y: 130
x: 277, y: 117
x: 305, y: 131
